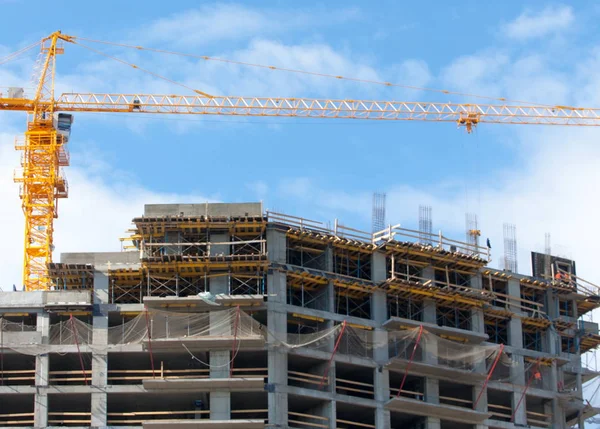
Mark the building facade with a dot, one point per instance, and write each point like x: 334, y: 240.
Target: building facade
x: 222, y: 316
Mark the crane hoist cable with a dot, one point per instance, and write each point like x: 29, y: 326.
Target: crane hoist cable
x: 311, y: 73
x: 16, y: 54
x: 141, y: 69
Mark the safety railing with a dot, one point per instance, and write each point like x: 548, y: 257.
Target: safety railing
x: 397, y: 233
x: 348, y: 424
x: 139, y: 417
x: 17, y: 419
x: 306, y: 380
x: 420, y: 396
x: 15, y: 377
x: 354, y: 388
x: 392, y: 232
x: 456, y: 402
x: 539, y: 419
x: 69, y: 377
x: 502, y: 413
x: 137, y: 376
x: 68, y: 418
x: 338, y: 230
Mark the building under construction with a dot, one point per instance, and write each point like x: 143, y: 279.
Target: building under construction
x: 224, y: 316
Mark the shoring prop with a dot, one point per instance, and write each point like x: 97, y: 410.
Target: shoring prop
x: 487, y: 379
x: 235, y: 329
x: 150, y: 343
x: 78, y: 350
x: 412, y: 356
x: 535, y: 368
x: 335, y: 348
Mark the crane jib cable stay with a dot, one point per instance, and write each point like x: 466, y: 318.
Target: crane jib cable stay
x: 42, y: 182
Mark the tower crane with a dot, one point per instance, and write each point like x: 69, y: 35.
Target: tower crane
x: 42, y: 182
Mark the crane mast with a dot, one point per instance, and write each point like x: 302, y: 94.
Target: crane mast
x: 40, y: 179
x: 42, y: 182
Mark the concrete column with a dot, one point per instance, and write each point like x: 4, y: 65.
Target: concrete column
x: 552, y: 303
x: 329, y: 305
x: 432, y: 390
x: 276, y: 245
x: 433, y: 423
x: 220, y: 402
x: 429, y: 307
x: 380, y: 337
x: 277, y: 324
x: 276, y: 280
x: 99, y: 402
x: 42, y: 365
x: 483, y: 400
x: 558, y: 414
x: 521, y: 413
x: 219, y: 285
x: 476, y: 281
x: 278, y: 367
x: 331, y: 410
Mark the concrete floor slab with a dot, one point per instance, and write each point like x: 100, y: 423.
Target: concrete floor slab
x: 204, y: 424
x: 441, y: 411
x: 208, y: 343
x: 438, y: 371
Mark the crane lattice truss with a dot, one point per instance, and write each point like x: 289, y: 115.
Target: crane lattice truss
x: 44, y: 153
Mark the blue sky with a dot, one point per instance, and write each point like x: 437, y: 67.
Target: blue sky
x: 534, y: 177
x: 541, y: 179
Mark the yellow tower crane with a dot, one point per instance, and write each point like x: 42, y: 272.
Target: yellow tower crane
x: 42, y: 182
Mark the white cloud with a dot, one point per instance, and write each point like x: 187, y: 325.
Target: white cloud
x: 530, y: 25
x: 530, y: 77
x: 259, y: 188
x: 226, y: 22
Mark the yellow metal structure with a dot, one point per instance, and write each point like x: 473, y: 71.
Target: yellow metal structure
x: 42, y: 183
x: 40, y: 179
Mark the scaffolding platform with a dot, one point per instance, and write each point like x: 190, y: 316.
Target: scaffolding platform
x: 204, y: 424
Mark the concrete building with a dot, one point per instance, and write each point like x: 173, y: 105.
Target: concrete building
x: 222, y: 316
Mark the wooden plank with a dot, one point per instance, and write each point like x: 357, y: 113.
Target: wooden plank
x: 362, y: 425
x: 351, y: 389
x: 315, y: 425
x: 318, y: 377
x: 357, y: 383
x: 310, y: 416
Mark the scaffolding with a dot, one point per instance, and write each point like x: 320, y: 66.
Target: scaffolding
x: 333, y: 276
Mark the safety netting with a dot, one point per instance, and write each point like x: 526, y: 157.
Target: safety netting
x: 233, y: 324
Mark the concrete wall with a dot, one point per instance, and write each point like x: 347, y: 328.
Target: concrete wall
x: 210, y: 209
x: 100, y: 258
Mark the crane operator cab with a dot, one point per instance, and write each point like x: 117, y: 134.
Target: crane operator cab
x: 62, y: 124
